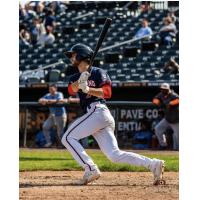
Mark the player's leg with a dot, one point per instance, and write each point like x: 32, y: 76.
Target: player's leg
x: 108, y: 144
x: 175, y: 128
x: 48, y: 124
x: 81, y: 128
x: 159, y: 131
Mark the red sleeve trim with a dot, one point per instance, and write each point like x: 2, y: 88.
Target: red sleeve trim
x: 107, y: 91
x: 174, y: 102
x: 70, y: 91
x: 156, y: 101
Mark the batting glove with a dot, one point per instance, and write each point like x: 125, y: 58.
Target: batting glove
x: 83, y: 77
x: 84, y: 87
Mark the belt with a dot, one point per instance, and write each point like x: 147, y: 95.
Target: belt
x: 93, y: 104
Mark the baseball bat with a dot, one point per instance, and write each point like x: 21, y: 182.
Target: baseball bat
x: 100, y: 40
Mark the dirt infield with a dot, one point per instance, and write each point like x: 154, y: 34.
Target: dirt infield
x: 60, y: 185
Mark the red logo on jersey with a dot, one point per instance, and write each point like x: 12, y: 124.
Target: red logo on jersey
x: 91, y: 83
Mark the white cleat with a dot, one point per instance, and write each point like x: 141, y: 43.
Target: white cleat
x: 47, y: 145
x: 90, y: 176
x: 157, y: 169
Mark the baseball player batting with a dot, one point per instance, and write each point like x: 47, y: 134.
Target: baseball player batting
x: 93, y: 88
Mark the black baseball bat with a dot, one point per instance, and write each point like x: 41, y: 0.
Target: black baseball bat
x: 100, y: 40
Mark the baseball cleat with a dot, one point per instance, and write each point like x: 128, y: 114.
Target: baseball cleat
x: 90, y: 176
x: 158, y: 167
x: 47, y: 145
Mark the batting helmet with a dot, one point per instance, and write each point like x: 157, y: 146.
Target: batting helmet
x: 83, y: 52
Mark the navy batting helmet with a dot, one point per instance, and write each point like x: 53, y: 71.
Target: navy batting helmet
x: 84, y: 52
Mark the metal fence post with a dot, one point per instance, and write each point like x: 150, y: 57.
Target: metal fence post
x: 25, y: 127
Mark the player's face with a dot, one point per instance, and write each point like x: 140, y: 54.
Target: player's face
x: 73, y: 60
x: 52, y: 90
x: 165, y: 92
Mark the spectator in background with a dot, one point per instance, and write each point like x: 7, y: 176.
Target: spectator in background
x: 168, y: 32
x: 173, y: 17
x: 40, y: 7
x: 47, y: 37
x: 37, y: 30
x: 161, y: 115
x: 24, y: 36
x: 145, y: 6
x: 57, y: 115
x: 169, y: 102
x: 171, y: 66
x: 27, y: 10
x: 22, y: 11
x: 55, y: 6
x: 50, y: 19
x: 36, y: 6
x: 145, y: 30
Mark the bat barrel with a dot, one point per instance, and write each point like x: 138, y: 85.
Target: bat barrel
x: 101, y: 38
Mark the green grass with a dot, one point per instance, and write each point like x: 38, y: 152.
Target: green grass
x: 33, y: 159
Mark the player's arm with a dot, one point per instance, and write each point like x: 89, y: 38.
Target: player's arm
x: 174, y: 101
x: 70, y: 100
x: 73, y: 87
x: 42, y: 101
x: 104, y: 92
x: 103, y: 89
x: 156, y: 101
x: 73, y: 100
x: 53, y: 101
x: 58, y: 99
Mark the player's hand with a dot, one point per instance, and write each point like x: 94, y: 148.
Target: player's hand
x: 84, y: 87
x: 83, y: 77
x: 43, y: 101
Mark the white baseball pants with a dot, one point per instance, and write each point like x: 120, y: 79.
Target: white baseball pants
x: 99, y: 122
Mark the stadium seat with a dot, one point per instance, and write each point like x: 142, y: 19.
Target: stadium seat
x: 71, y: 30
x: 33, y: 80
x: 54, y: 75
x: 112, y: 57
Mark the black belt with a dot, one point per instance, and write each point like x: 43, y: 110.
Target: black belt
x: 100, y: 101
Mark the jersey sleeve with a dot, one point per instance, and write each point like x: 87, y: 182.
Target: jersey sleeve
x: 72, y: 79
x: 103, y: 78
x: 174, y: 96
x: 45, y: 96
x: 158, y: 96
x: 60, y: 96
x: 156, y: 101
x: 174, y: 99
